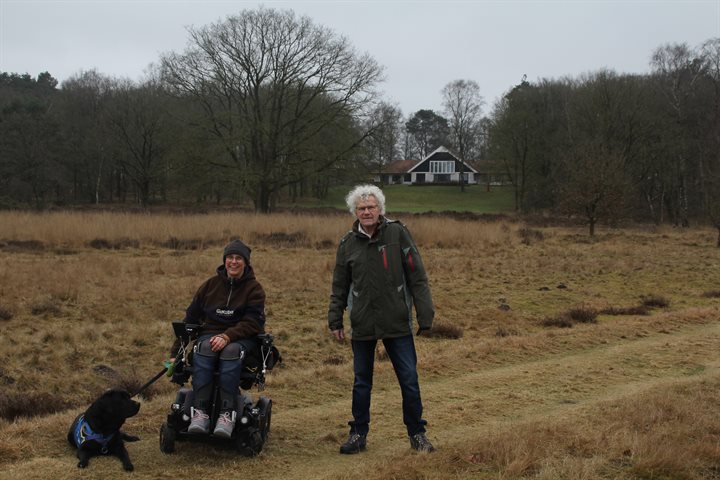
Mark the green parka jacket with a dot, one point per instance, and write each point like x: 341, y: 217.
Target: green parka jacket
x: 377, y: 279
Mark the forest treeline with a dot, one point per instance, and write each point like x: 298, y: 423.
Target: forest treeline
x: 266, y: 104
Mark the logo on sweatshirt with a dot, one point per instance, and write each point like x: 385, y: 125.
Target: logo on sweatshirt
x: 228, y: 313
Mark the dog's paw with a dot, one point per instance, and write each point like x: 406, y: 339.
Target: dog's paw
x: 129, y: 467
x: 131, y: 438
x: 82, y: 464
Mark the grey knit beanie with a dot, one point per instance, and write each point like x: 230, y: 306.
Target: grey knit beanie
x: 236, y: 247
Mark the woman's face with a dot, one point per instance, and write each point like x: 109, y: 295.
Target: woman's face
x: 235, y: 265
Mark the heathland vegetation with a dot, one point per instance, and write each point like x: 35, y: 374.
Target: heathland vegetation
x: 554, y: 355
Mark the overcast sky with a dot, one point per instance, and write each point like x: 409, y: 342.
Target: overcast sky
x: 423, y: 45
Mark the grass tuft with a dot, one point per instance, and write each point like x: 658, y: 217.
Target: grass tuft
x: 711, y: 294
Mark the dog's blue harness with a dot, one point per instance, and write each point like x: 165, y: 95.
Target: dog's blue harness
x: 83, y: 433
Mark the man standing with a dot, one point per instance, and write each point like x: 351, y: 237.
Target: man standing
x: 378, y: 275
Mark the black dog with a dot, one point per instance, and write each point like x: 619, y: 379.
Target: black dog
x: 97, y: 431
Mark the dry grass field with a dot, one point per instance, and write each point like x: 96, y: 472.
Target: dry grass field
x: 554, y: 357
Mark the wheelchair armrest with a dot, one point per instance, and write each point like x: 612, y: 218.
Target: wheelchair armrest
x: 185, y: 331
x: 266, y: 339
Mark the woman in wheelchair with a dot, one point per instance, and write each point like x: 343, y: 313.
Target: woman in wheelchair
x: 230, y: 309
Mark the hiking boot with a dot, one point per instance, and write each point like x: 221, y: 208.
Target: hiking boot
x: 355, y: 443
x: 420, y: 443
x: 225, y: 424
x: 200, y: 421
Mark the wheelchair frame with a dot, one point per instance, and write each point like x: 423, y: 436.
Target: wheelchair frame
x: 252, y: 426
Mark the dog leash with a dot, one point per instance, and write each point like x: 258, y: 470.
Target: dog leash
x: 150, y: 382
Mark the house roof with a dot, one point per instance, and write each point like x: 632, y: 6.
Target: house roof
x: 399, y: 166
x: 442, y: 153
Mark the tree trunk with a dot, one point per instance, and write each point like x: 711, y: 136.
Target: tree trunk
x: 261, y: 199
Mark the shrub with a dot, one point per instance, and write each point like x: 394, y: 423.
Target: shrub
x: 45, y: 307
x: 561, y: 321
x: 506, y: 332
x: 636, y: 310
x: 583, y: 314
x: 334, y: 360
x: 15, y: 405
x: 652, y: 301
x: 711, y: 294
x: 5, y: 313
x: 282, y: 239
x: 99, y: 244
x: 529, y: 235
x: 444, y: 330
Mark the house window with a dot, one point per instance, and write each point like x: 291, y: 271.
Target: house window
x: 442, y: 167
x: 442, y: 178
x: 420, y: 178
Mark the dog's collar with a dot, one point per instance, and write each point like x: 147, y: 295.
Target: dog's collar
x: 83, y: 433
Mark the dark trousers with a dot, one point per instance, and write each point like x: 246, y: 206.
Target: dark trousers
x: 402, y: 354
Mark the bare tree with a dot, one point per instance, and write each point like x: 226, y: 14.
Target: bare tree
x: 678, y: 70
x: 269, y: 84
x: 138, y: 119
x: 382, y: 144
x: 710, y: 52
x: 463, y: 105
x: 592, y: 183
x: 85, y: 96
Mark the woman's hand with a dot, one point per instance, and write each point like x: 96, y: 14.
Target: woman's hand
x: 218, y: 342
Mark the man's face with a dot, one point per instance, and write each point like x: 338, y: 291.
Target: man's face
x: 368, y: 212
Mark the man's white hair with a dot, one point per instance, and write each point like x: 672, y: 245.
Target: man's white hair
x: 361, y: 193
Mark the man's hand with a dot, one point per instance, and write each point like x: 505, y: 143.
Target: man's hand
x: 339, y: 335
x: 422, y: 331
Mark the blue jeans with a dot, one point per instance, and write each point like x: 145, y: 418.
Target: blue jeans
x: 228, y: 362
x: 401, y: 351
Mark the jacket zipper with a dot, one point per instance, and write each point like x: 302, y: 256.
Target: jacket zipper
x: 227, y: 304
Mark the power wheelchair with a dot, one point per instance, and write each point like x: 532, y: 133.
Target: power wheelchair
x: 253, y: 418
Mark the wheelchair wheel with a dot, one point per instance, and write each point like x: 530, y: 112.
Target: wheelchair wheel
x: 167, y: 438
x: 250, y: 442
x: 264, y: 417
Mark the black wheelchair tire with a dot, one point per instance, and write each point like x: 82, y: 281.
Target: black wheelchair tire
x: 167, y: 438
x: 265, y: 414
